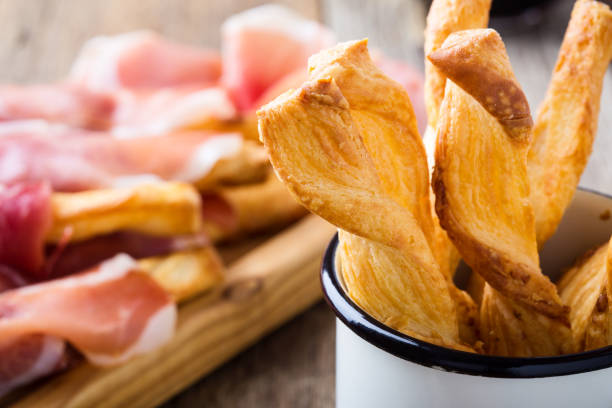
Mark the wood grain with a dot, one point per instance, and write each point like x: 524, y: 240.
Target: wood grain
x: 264, y: 288
x: 41, y: 37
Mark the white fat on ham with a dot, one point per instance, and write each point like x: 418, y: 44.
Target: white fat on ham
x: 96, y: 64
x: 158, y: 331
x: 78, y: 160
x: 45, y: 356
x: 207, y: 154
x: 110, y: 314
x: 169, y: 109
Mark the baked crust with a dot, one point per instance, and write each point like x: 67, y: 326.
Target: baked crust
x: 585, y: 287
x: 566, y: 123
x: 444, y: 18
x: 162, y: 209
x: 185, y: 274
x: 347, y: 153
x: 481, y: 186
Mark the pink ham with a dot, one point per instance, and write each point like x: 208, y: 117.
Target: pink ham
x: 143, y: 59
x: 25, y: 217
x: 262, y: 45
x: 70, y: 258
x: 76, y: 160
x: 63, y: 103
x: 156, y: 112
x: 110, y: 313
x: 29, y: 357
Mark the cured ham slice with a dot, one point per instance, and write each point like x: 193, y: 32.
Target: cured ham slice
x: 63, y: 103
x: 169, y: 109
x: 78, y: 256
x: 29, y: 357
x: 143, y: 59
x: 110, y: 313
x: 262, y: 45
x: 25, y: 217
x: 79, y: 161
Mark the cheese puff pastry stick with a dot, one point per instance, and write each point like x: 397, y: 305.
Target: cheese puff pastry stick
x: 445, y: 17
x: 480, y: 180
x: 317, y: 150
x: 586, y: 288
x: 510, y: 328
x: 567, y: 119
x: 482, y: 196
x: 387, y: 124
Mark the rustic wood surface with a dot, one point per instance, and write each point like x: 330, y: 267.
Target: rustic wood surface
x: 293, y: 367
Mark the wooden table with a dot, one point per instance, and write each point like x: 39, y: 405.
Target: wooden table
x: 294, y: 366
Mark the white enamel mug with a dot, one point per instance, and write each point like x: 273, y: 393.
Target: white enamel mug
x: 377, y: 366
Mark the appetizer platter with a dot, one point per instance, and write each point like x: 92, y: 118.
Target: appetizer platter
x: 144, y: 234
x: 347, y: 146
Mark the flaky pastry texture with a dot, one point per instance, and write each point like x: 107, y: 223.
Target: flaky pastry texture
x: 566, y: 123
x: 480, y: 180
x: 162, y: 209
x: 586, y: 289
x: 185, y: 274
x: 345, y: 152
x: 444, y: 18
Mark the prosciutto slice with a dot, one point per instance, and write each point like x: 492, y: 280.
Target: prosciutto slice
x: 156, y: 112
x: 74, y: 161
x: 110, y: 313
x: 26, y: 358
x: 25, y: 217
x: 143, y: 59
x: 262, y: 45
x: 64, y: 103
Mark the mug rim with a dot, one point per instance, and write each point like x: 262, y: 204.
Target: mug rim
x: 430, y: 355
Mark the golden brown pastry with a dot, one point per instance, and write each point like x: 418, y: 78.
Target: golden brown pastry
x: 586, y: 289
x: 161, y: 209
x: 326, y: 147
x: 444, y: 18
x: 387, y: 125
x: 480, y: 180
x: 567, y: 120
x: 510, y: 328
x: 185, y: 274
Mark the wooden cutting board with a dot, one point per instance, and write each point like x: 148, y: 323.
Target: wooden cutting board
x: 266, y: 286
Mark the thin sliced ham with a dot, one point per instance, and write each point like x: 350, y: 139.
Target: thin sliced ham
x: 75, y: 161
x: 143, y: 59
x: 25, y: 217
x: 70, y: 258
x: 165, y: 110
x: 63, y: 103
x: 110, y: 313
x: 262, y: 45
x: 29, y: 357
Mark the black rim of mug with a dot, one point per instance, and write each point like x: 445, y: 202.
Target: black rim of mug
x: 431, y: 355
